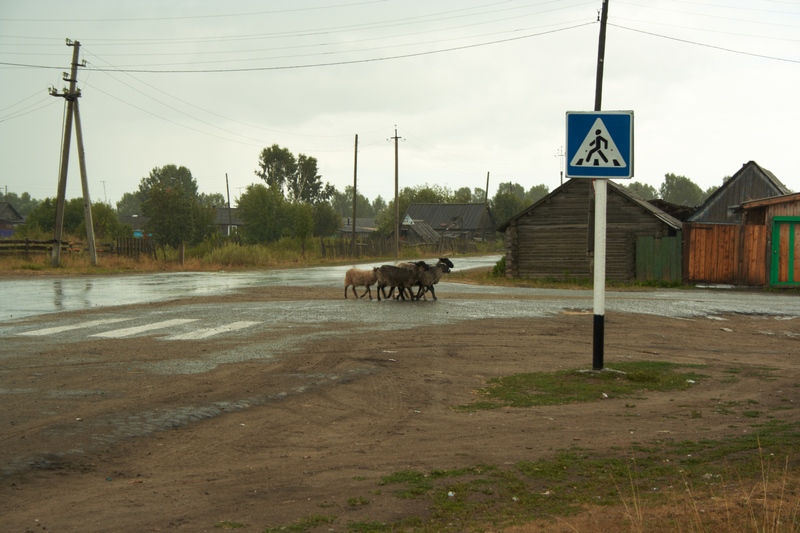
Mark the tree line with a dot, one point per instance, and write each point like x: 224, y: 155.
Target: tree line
x: 290, y: 200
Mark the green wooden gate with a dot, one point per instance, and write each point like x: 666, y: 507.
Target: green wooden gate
x: 659, y: 259
x: 785, y: 268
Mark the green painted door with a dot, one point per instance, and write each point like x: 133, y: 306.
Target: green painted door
x: 785, y: 268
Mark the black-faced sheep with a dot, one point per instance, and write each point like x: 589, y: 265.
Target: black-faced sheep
x: 356, y: 277
x: 400, y: 278
x: 431, y: 277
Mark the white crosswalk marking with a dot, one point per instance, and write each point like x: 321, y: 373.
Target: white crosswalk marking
x: 204, y: 333
x: 80, y: 325
x: 127, y: 332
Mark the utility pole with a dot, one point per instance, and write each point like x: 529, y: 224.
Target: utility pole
x: 355, y: 196
x: 228, y: 189
x: 396, y: 200
x: 486, y: 202
x: 600, y: 201
x: 71, y: 96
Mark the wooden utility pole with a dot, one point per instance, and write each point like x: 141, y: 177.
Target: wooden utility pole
x: 396, y: 200
x: 71, y: 96
x: 486, y: 203
x: 228, y: 189
x: 355, y: 197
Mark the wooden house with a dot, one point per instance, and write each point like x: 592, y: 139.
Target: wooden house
x: 751, y: 182
x: 9, y: 219
x: 724, y: 242
x: 452, y: 221
x: 551, y: 238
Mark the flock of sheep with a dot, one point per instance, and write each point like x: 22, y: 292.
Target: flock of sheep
x: 402, y: 276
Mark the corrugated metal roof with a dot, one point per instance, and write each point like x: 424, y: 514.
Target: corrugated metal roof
x: 426, y: 233
x: 444, y: 217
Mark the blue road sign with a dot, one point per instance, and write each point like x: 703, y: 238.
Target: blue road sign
x: 599, y: 144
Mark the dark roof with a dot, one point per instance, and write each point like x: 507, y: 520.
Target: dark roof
x: 221, y: 216
x: 647, y: 206
x: 363, y: 225
x: 751, y: 182
x: 425, y: 233
x: 681, y: 212
x: 444, y: 217
x: 9, y: 214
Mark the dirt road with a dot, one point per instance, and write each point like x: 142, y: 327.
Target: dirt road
x: 92, y: 442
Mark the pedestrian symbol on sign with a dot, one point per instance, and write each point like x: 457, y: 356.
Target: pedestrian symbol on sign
x: 598, y: 149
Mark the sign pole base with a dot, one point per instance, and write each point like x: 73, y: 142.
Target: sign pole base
x: 598, y: 339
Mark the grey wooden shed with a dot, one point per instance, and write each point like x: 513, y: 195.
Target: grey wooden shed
x: 550, y: 238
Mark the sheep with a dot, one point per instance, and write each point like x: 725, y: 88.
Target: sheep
x: 402, y: 278
x: 355, y: 277
x: 432, y: 276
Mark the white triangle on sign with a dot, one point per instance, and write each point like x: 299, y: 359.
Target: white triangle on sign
x: 598, y: 149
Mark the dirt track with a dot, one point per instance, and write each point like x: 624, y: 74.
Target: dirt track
x: 84, y: 447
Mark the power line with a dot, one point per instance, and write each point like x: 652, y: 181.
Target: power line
x: 318, y: 65
x: 695, y: 43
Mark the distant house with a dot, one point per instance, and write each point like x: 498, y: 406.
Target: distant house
x: 550, y: 238
x: 751, y: 182
x: 449, y: 221
x: 224, y: 218
x: 227, y: 219
x: 365, y: 226
x: 9, y: 219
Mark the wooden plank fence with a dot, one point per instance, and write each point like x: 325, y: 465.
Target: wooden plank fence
x: 127, y: 246
x: 725, y: 253
x: 659, y: 259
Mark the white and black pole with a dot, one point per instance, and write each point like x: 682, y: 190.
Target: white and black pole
x: 600, y: 189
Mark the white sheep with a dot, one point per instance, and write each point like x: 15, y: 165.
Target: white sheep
x: 356, y: 277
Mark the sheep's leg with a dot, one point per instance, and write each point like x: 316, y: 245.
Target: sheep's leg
x: 433, y: 293
x: 345, y: 290
x: 365, y: 293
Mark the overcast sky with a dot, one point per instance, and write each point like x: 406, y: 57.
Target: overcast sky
x: 472, y: 86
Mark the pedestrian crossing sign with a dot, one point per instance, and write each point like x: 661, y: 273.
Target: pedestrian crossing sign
x: 599, y: 144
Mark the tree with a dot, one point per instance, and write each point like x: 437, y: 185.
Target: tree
x: 343, y: 203
x: 171, y: 202
x: 302, y: 216
x: 536, y: 193
x: 298, y: 179
x: 326, y: 220
x: 130, y: 203
x: 275, y: 165
x: 169, y: 175
x: 642, y: 190
x: 106, y: 223
x: 462, y: 196
x: 264, y: 214
x: 511, y: 188
x: 681, y: 190
x: 506, y: 204
x: 212, y: 200
x: 378, y: 205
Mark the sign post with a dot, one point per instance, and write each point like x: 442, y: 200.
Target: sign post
x: 599, y: 146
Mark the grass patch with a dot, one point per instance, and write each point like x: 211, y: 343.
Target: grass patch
x: 227, y: 524
x: 656, y: 486
x: 569, y: 386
